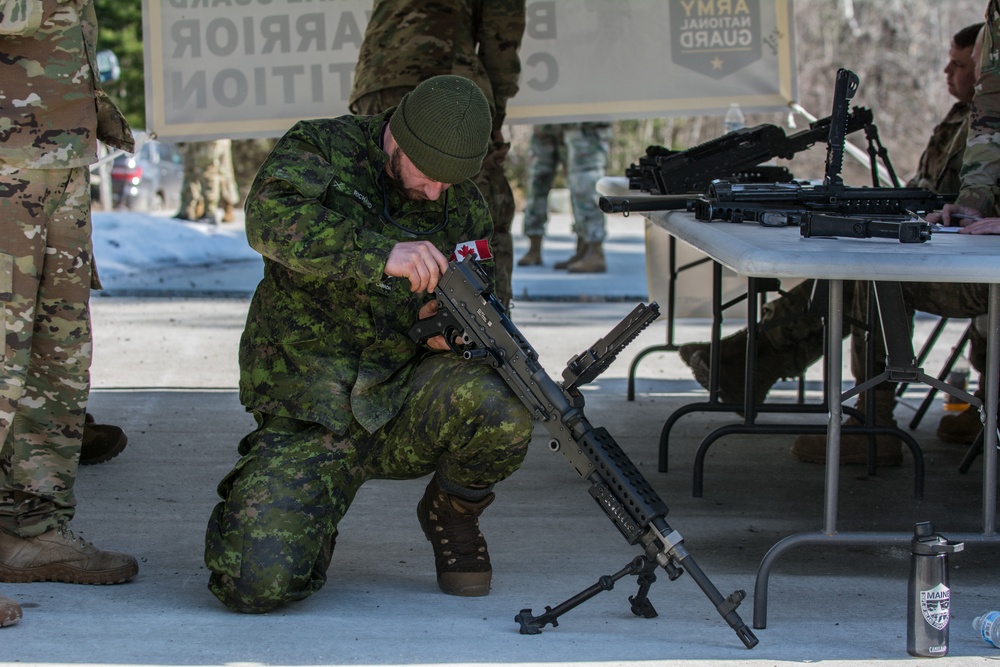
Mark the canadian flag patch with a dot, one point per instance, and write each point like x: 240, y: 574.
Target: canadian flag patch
x: 479, y: 249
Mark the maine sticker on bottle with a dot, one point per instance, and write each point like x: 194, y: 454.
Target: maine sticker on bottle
x: 935, y: 605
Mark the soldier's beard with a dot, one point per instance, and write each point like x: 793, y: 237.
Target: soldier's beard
x: 395, y: 167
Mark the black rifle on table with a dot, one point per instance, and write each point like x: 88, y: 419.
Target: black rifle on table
x: 737, y: 156
x: 469, y: 310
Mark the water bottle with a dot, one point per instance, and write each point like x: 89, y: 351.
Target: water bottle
x: 988, y: 625
x: 929, y: 598
x: 734, y: 118
x: 957, y: 377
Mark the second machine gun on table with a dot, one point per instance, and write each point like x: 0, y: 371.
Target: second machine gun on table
x: 737, y: 156
x: 468, y: 309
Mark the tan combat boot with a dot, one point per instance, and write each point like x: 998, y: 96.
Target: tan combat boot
x: 580, y: 247
x: 592, y: 260
x: 854, y: 448
x: 59, y: 555
x: 101, y: 442
x: 534, y: 255
x: 228, y: 215
x: 10, y: 612
x: 451, y: 524
x: 772, y: 365
x: 964, y: 427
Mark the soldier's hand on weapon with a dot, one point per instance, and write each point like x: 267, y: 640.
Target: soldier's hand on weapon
x: 419, y: 261
x: 439, y: 343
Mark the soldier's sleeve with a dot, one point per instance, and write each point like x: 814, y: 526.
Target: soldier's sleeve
x: 981, y: 165
x: 501, y: 33
x: 288, y: 222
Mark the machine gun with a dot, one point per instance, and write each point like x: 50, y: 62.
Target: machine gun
x: 780, y: 204
x: 788, y: 203
x: 735, y: 156
x: 783, y: 204
x: 468, y: 309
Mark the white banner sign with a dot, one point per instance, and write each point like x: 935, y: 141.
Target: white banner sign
x: 243, y: 68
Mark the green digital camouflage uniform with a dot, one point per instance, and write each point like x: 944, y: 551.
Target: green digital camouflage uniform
x: 981, y: 169
x: 51, y: 115
x: 340, y: 393
x: 409, y: 41
x: 800, y: 339
x: 583, y: 149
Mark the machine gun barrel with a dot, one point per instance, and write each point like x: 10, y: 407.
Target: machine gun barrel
x: 640, y: 203
x: 617, y: 485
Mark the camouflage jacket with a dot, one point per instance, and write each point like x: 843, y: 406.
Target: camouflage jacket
x: 52, y: 110
x: 941, y: 161
x: 981, y: 167
x: 326, y: 335
x: 408, y: 41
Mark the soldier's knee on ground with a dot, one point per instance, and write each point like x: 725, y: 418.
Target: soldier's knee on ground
x: 275, y: 575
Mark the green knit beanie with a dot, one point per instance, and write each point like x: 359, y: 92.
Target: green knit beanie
x: 443, y: 126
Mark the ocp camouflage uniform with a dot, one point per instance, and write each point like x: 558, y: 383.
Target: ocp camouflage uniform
x: 51, y: 116
x: 201, y: 190
x: 981, y: 170
x: 409, y: 41
x: 339, y: 391
x: 583, y: 149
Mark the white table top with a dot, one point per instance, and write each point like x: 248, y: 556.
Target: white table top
x: 781, y: 252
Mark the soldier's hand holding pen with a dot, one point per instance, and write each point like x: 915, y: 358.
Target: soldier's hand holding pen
x: 967, y: 220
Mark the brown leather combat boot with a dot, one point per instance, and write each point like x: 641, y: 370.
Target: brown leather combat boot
x: 451, y: 524
x: 10, y: 612
x: 592, y: 260
x: 580, y: 247
x: 772, y: 365
x: 101, y: 442
x: 534, y: 255
x: 59, y: 555
x: 962, y: 428
x: 854, y: 448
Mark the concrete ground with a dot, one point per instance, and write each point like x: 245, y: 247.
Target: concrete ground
x: 165, y: 369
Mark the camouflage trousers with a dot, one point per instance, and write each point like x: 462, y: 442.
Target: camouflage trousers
x: 270, y: 540
x: 491, y: 181
x: 45, y: 280
x: 800, y: 339
x: 202, y: 188
x: 583, y: 149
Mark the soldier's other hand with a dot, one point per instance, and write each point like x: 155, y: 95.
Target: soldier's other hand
x: 954, y: 215
x: 418, y: 261
x: 981, y: 226
x: 426, y: 311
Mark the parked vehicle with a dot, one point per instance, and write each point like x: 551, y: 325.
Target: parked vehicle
x: 149, y: 181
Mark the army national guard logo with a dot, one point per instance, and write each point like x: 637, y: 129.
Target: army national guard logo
x: 715, y: 37
x: 935, y: 605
